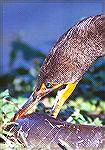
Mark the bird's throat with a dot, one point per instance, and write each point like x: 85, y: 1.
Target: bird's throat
x: 61, y: 97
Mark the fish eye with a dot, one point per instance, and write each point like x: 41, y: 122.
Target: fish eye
x: 48, y: 85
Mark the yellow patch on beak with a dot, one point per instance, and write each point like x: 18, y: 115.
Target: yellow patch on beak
x: 62, y: 97
x: 43, y: 87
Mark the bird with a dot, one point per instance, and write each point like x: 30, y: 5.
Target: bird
x: 71, y: 56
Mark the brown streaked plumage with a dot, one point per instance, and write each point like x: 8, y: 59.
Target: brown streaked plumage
x: 69, y: 59
x: 74, y: 52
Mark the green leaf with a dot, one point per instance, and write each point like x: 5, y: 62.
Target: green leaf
x: 4, y: 94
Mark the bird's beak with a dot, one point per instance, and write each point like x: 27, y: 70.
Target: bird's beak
x: 33, y: 99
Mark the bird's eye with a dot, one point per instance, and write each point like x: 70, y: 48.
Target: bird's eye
x: 48, y: 85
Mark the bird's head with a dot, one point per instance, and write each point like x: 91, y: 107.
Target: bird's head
x: 68, y: 60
